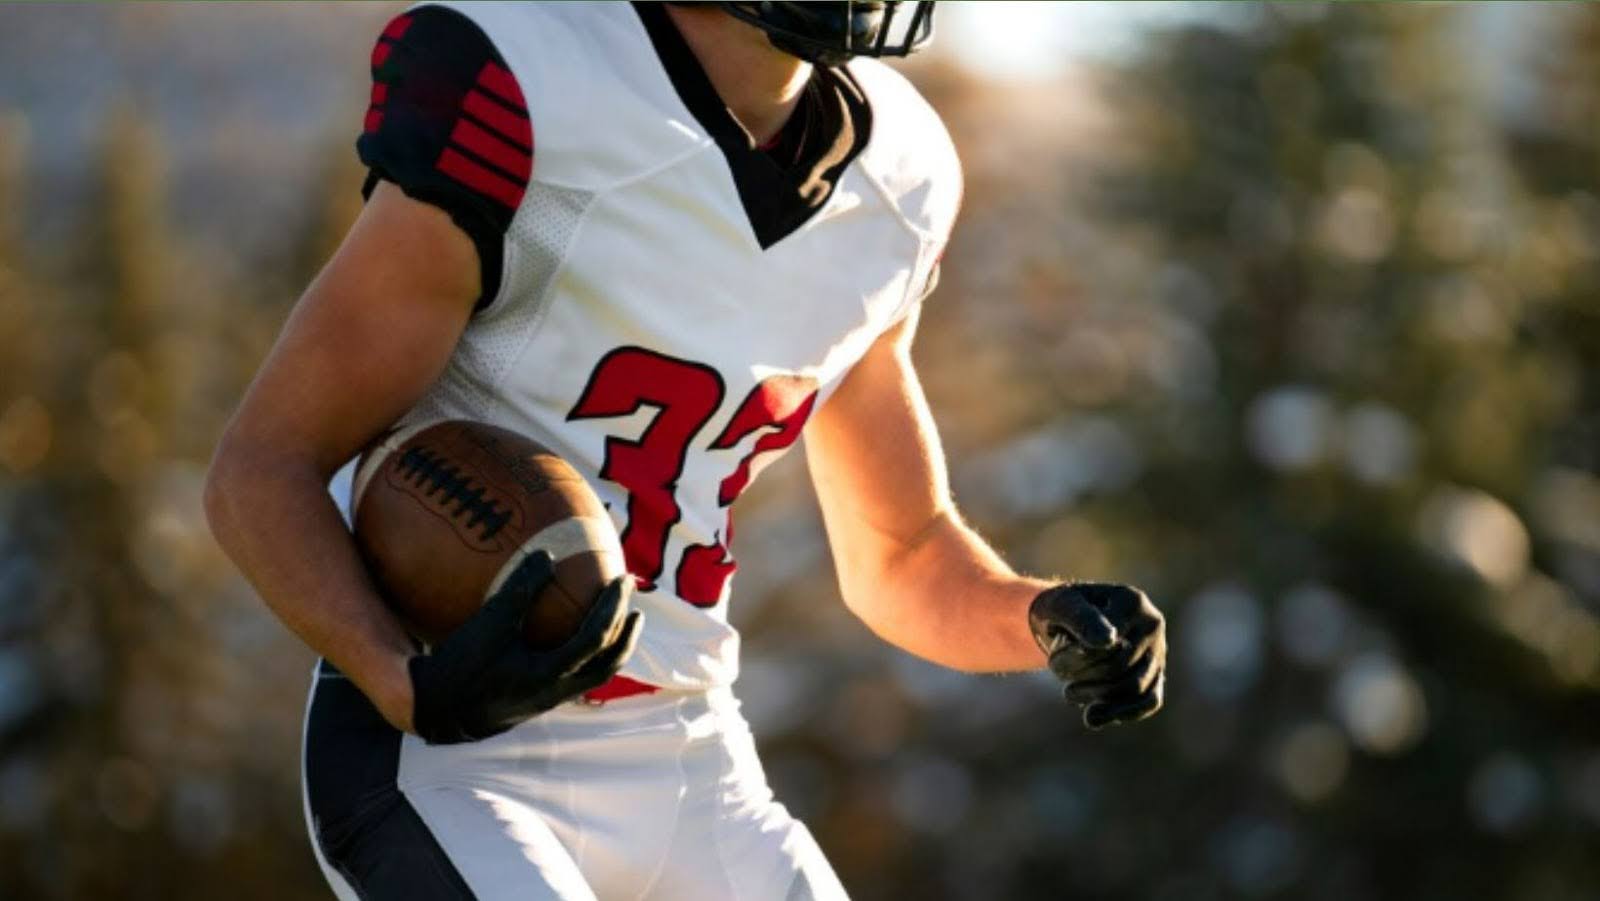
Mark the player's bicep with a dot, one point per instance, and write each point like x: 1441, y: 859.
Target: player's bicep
x: 875, y: 456
x: 367, y: 338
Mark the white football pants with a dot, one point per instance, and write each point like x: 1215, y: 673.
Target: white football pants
x: 655, y: 796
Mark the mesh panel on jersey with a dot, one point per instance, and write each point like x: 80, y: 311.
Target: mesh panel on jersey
x: 540, y: 238
x: 541, y: 235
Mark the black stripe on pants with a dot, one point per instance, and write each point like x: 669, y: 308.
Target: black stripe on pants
x: 364, y: 825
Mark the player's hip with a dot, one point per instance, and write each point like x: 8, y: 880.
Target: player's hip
x: 659, y: 791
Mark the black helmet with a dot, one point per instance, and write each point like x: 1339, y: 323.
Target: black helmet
x: 832, y: 31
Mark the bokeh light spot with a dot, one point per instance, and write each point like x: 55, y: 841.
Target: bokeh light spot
x: 1357, y: 226
x: 1258, y: 855
x: 1380, y: 704
x: 1222, y: 635
x: 1290, y: 428
x: 1505, y: 794
x: 1379, y: 443
x: 1313, y: 621
x: 1476, y: 531
x: 1312, y: 761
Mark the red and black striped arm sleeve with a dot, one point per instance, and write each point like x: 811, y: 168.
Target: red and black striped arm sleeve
x: 449, y: 126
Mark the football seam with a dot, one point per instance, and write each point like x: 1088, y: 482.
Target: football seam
x: 435, y: 473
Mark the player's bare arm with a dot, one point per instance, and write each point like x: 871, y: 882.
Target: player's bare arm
x: 367, y: 338
x: 364, y: 341
x: 923, y: 580
x: 901, y: 549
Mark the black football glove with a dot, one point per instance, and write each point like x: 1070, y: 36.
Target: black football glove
x: 1108, y: 643
x: 483, y: 678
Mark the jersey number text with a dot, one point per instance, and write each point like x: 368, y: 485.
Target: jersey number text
x: 686, y: 396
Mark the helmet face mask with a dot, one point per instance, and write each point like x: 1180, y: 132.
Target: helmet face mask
x: 833, y: 31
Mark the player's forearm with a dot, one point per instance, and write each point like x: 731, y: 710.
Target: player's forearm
x: 272, y: 515
x: 946, y: 596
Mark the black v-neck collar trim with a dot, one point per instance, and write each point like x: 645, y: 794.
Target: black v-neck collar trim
x: 777, y: 199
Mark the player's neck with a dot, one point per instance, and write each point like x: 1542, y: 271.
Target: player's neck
x: 759, y: 83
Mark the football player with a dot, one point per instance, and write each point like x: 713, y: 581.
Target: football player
x: 664, y: 240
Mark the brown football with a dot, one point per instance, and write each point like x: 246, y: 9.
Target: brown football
x: 444, y: 512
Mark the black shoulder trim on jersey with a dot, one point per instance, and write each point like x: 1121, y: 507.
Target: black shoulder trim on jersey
x: 782, y: 189
x: 448, y: 124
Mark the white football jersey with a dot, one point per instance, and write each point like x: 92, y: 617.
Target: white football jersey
x: 644, y: 320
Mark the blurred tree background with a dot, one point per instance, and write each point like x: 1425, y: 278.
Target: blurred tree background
x: 1281, y: 315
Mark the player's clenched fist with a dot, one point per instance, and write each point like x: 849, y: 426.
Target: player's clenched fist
x: 1108, y: 644
x: 484, y: 678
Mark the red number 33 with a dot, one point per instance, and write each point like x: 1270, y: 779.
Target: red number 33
x: 686, y: 395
